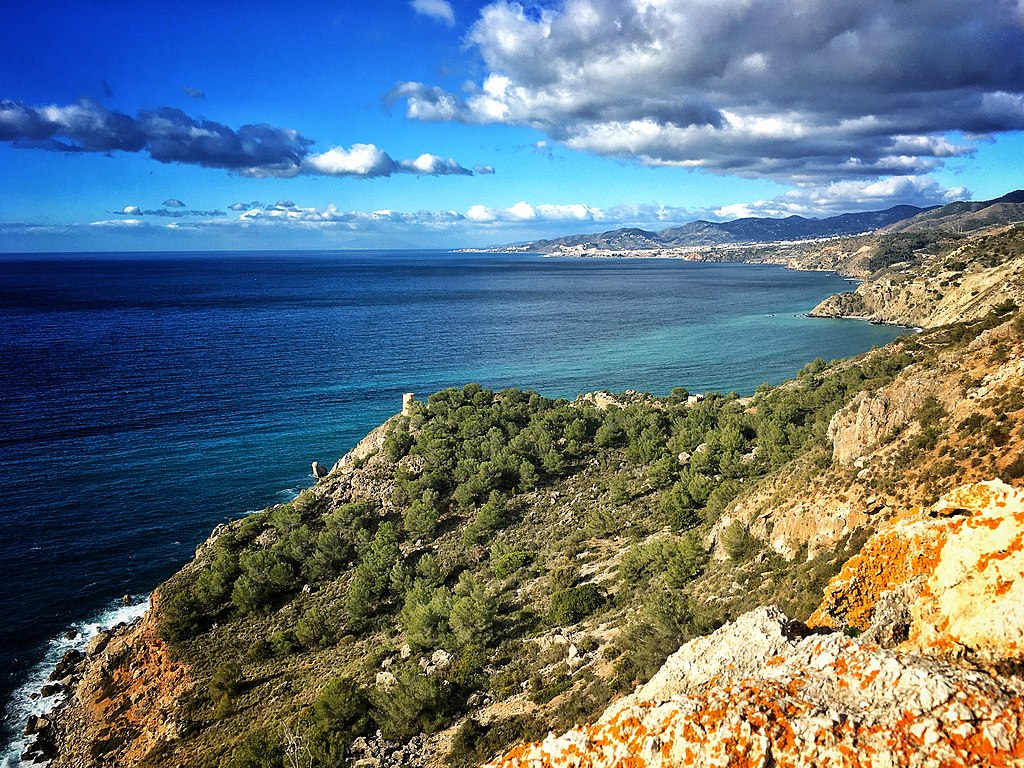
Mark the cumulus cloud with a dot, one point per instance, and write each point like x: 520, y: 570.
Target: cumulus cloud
x: 192, y: 93
x: 369, y: 161
x: 796, y: 90
x: 116, y: 223
x: 483, y: 170
x: 173, y: 203
x: 171, y: 136
x: 244, y: 206
x: 523, y: 211
x: 167, y: 134
x: 441, y: 10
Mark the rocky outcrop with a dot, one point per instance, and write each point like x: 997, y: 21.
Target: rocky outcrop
x: 872, y: 418
x: 793, y: 700
x: 954, y: 571
x: 365, y: 447
x: 765, y: 691
x: 123, y: 699
x: 927, y: 298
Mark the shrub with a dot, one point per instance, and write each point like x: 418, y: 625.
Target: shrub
x: 284, y: 643
x: 645, y: 560
x: 424, y: 617
x: 510, y: 562
x: 475, y: 743
x: 473, y: 613
x: 372, y: 577
x: 569, y: 606
x: 261, y: 748
x: 181, y: 614
x: 738, y: 542
x: 343, y: 708
x: 415, y: 704
x: 316, y: 628
x: 688, y: 562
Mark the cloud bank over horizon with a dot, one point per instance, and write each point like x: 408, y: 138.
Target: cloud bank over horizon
x: 801, y: 91
x: 477, y: 224
x: 169, y: 135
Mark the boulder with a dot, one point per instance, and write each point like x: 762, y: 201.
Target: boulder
x: 97, y: 644
x: 67, y: 664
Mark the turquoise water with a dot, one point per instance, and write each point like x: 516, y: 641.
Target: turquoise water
x: 144, y: 398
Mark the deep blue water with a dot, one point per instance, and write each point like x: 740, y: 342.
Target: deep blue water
x: 146, y: 398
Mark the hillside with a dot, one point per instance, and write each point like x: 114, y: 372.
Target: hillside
x: 942, y: 282
x: 963, y: 217
x: 487, y: 567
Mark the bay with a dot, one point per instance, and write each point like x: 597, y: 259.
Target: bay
x: 145, y: 398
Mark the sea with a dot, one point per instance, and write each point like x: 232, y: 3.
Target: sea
x: 147, y: 397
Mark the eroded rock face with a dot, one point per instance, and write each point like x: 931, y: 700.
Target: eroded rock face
x: 124, y: 702
x: 870, y: 418
x: 938, y: 584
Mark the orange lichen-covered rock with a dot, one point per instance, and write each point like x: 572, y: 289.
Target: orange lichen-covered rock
x: 124, y: 702
x: 974, y: 596
x: 958, y: 567
x: 901, y: 551
x: 820, y: 700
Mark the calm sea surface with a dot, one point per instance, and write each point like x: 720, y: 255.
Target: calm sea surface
x: 146, y: 398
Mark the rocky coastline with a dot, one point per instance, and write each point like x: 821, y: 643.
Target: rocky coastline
x: 911, y: 657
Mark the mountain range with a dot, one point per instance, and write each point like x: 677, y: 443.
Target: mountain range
x: 961, y: 216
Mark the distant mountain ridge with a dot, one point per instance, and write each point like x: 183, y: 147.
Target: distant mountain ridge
x: 957, y: 217
x: 746, y: 230
x: 965, y: 216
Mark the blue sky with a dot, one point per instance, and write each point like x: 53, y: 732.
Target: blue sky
x: 438, y: 123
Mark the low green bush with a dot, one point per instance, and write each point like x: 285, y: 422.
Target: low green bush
x: 569, y: 606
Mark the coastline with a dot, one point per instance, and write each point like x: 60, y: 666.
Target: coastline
x: 97, y: 627
x: 27, y: 702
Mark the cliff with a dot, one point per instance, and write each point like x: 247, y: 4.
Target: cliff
x: 125, y: 697
x: 764, y: 690
x: 961, y: 283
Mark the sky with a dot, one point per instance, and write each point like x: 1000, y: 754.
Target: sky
x: 452, y: 123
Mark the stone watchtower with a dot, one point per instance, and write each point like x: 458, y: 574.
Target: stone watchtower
x: 407, y: 400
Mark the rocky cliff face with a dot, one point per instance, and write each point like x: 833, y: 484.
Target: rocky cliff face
x: 767, y: 691
x: 937, y: 291
x: 123, y: 700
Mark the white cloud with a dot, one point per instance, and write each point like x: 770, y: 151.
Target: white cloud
x: 847, y: 196
x: 799, y: 90
x: 369, y: 161
x: 131, y: 210
x: 130, y: 223
x: 435, y: 9
x: 360, y: 160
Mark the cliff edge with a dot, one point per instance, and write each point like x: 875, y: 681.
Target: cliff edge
x: 958, y: 284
